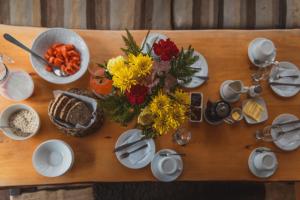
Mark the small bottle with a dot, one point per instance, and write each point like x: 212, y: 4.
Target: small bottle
x: 254, y: 90
x: 15, y: 84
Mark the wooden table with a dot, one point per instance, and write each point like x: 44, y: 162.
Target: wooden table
x: 215, y: 152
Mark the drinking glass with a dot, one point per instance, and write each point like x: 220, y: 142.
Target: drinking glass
x: 266, y: 135
x: 182, y: 136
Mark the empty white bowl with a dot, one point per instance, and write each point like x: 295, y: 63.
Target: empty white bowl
x: 53, y: 158
x: 7, y: 112
x: 59, y: 35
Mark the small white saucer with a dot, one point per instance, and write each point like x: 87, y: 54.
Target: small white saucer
x: 284, y: 90
x: 201, y: 64
x: 286, y: 142
x: 140, y: 158
x: 53, y: 158
x: 165, y: 177
x: 264, y: 116
x: 232, y: 100
x: 260, y: 173
x: 251, y: 47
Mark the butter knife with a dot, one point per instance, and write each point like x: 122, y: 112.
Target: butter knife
x: 287, y: 84
x: 124, y: 146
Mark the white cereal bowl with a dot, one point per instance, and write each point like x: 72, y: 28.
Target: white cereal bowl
x: 53, y: 158
x: 8, y: 111
x: 59, y: 35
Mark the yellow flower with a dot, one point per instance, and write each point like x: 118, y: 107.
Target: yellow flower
x: 177, y: 115
x: 160, y: 125
x: 141, y: 64
x: 145, y: 117
x: 124, y: 79
x: 160, y: 103
x: 116, y: 64
x: 182, y: 97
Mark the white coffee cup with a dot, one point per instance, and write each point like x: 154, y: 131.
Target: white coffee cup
x: 263, y: 49
x: 167, y: 165
x: 265, y: 161
x: 232, y: 89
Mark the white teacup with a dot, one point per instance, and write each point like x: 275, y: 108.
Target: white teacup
x: 263, y: 50
x: 265, y: 161
x: 167, y: 165
x: 233, y: 89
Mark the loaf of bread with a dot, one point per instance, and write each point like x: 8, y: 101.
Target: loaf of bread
x: 70, y: 110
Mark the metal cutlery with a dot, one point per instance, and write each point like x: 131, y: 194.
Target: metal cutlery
x: 165, y: 154
x: 285, y: 123
x: 57, y: 71
x: 126, y: 154
x: 278, y: 76
x: 124, y: 146
x: 201, y: 77
x: 287, y: 84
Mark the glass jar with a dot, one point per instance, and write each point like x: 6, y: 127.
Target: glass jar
x: 16, y: 85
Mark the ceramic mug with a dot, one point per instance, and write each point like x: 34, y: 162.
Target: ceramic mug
x: 167, y: 165
x: 263, y: 50
x: 233, y: 89
x: 265, y: 161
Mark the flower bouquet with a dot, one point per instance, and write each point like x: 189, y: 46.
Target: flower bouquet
x: 146, y: 84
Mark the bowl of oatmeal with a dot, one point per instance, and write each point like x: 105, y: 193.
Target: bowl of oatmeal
x: 19, y: 122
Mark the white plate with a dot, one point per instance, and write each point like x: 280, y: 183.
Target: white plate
x: 53, y: 158
x: 140, y: 158
x: 260, y: 173
x: 264, y: 115
x: 291, y: 140
x: 200, y: 63
x: 151, y: 39
x: 284, y: 90
x: 251, y: 47
x: 222, y: 93
x: 165, y: 177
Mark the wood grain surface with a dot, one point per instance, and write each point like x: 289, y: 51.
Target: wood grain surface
x: 215, y: 152
x: 152, y: 14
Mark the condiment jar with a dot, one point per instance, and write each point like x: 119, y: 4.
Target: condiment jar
x: 15, y: 84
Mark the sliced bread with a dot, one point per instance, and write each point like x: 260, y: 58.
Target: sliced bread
x: 54, y: 104
x: 60, y: 104
x: 63, y: 114
x: 79, y: 113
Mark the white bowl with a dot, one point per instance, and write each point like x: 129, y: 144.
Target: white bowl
x: 7, y: 112
x: 53, y: 158
x: 59, y: 35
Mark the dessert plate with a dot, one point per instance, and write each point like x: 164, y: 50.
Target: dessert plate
x: 285, y: 69
x: 140, y: 158
x: 200, y: 64
x: 291, y: 140
x: 264, y: 115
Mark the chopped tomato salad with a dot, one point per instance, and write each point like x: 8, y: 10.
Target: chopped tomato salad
x: 64, y: 56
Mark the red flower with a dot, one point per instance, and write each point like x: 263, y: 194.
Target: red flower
x: 165, y: 49
x: 137, y: 94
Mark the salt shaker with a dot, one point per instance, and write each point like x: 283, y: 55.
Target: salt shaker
x: 254, y: 90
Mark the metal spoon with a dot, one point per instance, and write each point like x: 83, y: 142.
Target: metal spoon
x: 278, y: 76
x: 165, y: 154
x: 202, y: 77
x: 57, y: 71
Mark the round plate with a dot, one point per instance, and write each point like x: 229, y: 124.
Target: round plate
x: 251, y: 46
x: 140, y: 158
x: 200, y: 63
x: 284, y: 90
x: 284, y: 142
x: 152, y: 37
x: 222, y: 93
x: 165, y: 177
x: 258, y: 173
